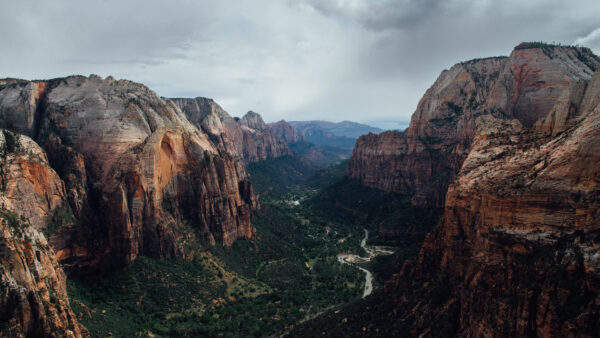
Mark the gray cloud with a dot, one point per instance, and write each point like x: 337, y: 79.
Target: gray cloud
x: 591, y: 40
x: 363, y: 60
x: 383, y: 14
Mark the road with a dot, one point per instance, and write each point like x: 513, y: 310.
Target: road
x: 353, y: 260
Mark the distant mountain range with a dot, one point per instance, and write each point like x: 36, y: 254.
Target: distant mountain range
x: 344, y: 129
x: 340, y: 135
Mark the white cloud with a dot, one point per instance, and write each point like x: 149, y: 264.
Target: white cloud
x: 592, y: 40
x: 362, y: 60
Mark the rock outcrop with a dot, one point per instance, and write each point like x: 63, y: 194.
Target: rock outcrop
x: 517, y: 251
x: 540, y: 86
x: 33, y: 296
x: 517, y: 245
x: 139, y: 177
x: 249, y: 137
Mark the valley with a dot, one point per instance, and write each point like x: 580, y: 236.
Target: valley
x: 257, y: 287
x: 124, y: 213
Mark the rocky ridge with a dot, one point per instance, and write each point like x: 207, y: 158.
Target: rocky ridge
x: 249, y: 137
x: 517, y: 245
x: 33, y: 296
x: 136, y: 171
x: 537, y: 86
x: 516, y: 251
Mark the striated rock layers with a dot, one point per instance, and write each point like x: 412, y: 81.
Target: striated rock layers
x: 248, y: 137
x: 537, y: 85
x: 33, y: 297
x: 137, y: 176
x: 517, y: 251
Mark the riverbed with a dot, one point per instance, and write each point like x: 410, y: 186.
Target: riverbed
x: 353, y: 259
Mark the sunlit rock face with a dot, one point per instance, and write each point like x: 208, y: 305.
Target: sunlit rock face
x: 138, y: 176
x: 541, y: 87
x: 516, y: 252
x: 249, y: 137
x: 33, y: 297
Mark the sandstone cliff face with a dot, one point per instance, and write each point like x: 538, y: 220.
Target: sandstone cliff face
x: 33, y: 297
x: 533, y: 85
x: 516, y: 252
x: 135, y: 170
x: 249, y: 137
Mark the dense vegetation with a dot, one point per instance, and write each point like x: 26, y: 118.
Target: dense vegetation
x: 257, y: 287
x: 277, y: 176
x: 262, y: 286
x: 347, y: 201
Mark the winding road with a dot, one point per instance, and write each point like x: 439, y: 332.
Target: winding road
x: 352, y: 259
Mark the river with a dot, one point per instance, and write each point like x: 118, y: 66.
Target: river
x: 353, y: 259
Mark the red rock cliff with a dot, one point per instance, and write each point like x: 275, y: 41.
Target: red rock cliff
x: 249, y: 137
x: 516, y: 252
x: 33, y: 297
x: 286, y: 132
x: 532, y: 85
x: 135, y: 169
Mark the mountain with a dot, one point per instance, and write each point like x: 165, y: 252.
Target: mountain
x: 533, y: 86
x: 515, y: 253
x: 285, y: 131
x: 317, y: 154
x: 106, y: 170
x: 34, y: 300
x: 343, y: 129
x: 249, y: 137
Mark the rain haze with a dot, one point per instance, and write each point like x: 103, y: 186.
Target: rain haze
x: 362, y: 60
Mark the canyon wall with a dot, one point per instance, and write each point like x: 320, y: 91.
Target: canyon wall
x: 248, y: 137
x: 33, y: 296
x: 537, y: 86
x: 517, y: 247
x: 286, y: 132
x: 516, y: 252
x: 139, y: 177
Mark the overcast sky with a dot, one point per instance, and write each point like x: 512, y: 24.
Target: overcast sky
x: 361, y: 60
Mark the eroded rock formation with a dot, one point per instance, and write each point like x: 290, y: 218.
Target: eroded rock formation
x: 538, y: 86
x: 33, y: 296
x: 249, y: 137
x: 517, y: 251
x: 139, y: 177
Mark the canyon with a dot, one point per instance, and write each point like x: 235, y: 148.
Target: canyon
x: 534, y: 86
x: 108, y: 170
x: 249, y: 137
x: 509, y: 147
x: 97, y: 174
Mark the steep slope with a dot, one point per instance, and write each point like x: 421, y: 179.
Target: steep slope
x: 135, y: 169
x: 248, y: 137
x: 259, y: 142
x: 33, y: 297
x: 518, y: 242
x: 516, y: 252
x: 529, y: 85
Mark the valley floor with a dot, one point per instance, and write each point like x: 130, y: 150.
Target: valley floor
x: 266, y: 286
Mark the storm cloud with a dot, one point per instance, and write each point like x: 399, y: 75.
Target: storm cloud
x: 361, y: 60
